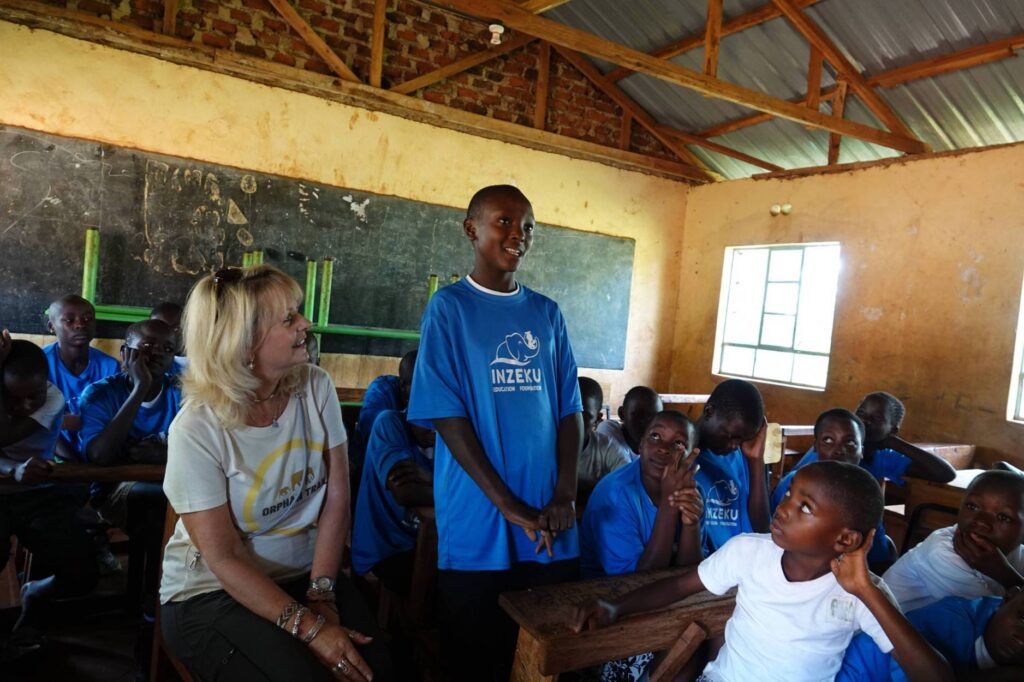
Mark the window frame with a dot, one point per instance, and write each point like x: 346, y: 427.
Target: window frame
x: 725, y: 293
x: 1015, y: 397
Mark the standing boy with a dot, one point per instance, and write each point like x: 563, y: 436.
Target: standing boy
x: 74, y: 364
x: 496, y: 378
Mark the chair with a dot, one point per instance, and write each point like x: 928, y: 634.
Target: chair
x: 155, y: 669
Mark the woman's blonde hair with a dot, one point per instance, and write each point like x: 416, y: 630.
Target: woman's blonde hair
x: 225, y: 320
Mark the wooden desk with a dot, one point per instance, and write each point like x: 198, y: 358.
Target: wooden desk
x: 948, y: 494
x: 684, y: 398
x: 77, y: 472
x: 547, y: 646
x: 959, y: 455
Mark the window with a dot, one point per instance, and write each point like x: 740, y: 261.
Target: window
x: 1014, y: 408
x: 775, y: 313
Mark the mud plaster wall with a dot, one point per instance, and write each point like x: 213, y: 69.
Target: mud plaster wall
x: 67, y: 87
x: 932, y: 259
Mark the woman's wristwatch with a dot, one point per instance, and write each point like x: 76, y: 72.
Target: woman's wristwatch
x: 321, y: 589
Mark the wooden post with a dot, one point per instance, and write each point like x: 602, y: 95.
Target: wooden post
x: 170, y: 16
x: 835, y: 139
x: 680, y: 653
x: 540, y: 110
x: 814, y: 78
x: 526, y: 665
x: 377, y: 44
x: 712, y: 37
x: 626, y: 131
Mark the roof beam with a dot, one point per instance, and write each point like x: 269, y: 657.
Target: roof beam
x: 314, y: 40
x: 170, y: 17
x: 540, y: 6
x: 814, y: 67
x: 587, y: 68
x: 926, y: 68
x: 380, y: 8
x: 754, y: 17
x: 817, y: 38
x: 464, y: 64
x: 690, y: 138
x: 565, y: 36
x: 540, y: 107
x: 838, y: 107
x: 712, y: 37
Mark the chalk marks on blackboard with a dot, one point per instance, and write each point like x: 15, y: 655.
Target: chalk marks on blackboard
x: 359, y: 208
x: 248, y: 184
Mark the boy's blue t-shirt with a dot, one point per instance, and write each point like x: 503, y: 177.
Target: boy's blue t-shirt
x: 71, y: 387
x: 382, y: 394
x: 382, y: 527
x: 951, y: 625
x: 724, y: 482
x: 886, y: 463
x: 617, y: 523
x: 504, y: 362
x: 879, y: 551
x: 101, y: 401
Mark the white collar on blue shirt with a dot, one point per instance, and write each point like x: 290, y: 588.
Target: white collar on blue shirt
x: 484, y: 289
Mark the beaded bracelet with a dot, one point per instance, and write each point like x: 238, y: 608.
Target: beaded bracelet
x: 287, y: 613
x: 298, y: 619
x: 315, y: 630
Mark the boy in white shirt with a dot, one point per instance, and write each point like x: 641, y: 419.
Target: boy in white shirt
x: 804, y: 589
x: 599, y: 455
x: 981, y: 556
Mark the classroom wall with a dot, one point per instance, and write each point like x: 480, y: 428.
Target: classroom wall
x: 67, y: 87
x: 932, y: 260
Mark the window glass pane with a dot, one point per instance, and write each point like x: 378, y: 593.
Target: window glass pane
x: 816, y: 308
x: 778, y: 331
x: 810, y: 369
x: 746, y: 294
x: 773, y: 365
x: 781, y: 298
x: 737, y: 360
x: 785, y: 265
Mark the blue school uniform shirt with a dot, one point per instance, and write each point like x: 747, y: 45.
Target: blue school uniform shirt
x: 71, y: 387
x: 952, y: 625
x: 886, y: 463
x: 383, y: 527
x: 503, y: 362
x: 382, y: 394
x: 879, y: 551
x: 724, y: 482
x: 617, y: 523
x: 101, y: 401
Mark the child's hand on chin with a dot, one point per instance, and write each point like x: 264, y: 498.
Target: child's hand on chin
x: 851, y: 568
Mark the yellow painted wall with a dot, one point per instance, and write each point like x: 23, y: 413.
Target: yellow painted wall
x: 69, y: 87
x: 932, y: 261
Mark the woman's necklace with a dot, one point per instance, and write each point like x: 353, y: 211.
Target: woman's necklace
x: 277, y: 411
x: 273, y: 394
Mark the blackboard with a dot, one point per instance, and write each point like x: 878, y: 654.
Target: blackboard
x: 165, y: 221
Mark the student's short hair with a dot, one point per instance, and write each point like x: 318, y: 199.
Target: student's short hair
x: 136, y: 330
x: 738, y: 398
x: 852, y: 490
x: 676, y: 417
x: 25, y: 361
x: 485, y: 194
x: 894, y: 408
x: 998, y: 480
x: 640, y: 393
x: 224, y: 322
x: 838, y: 413
x: 166, y: 308
x: 407, y: 366
x: 56, y: 306
x: 590, y: 390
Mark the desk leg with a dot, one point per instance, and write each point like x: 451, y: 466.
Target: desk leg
x: 526, y: 666
x: 679, y: 654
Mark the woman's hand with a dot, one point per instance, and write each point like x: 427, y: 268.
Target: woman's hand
x: 335, y: 646
x: 327, y: 609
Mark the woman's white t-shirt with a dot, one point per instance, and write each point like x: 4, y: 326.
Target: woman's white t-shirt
x: 273, y: 479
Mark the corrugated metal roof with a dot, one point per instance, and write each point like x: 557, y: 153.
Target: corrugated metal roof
x: 969, y: 108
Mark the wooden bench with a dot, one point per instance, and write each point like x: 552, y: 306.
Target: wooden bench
x: 547, y: 646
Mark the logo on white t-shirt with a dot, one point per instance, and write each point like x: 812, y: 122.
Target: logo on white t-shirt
x: 517, y: 350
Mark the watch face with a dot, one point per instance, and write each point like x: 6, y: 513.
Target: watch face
x: 323, y: 584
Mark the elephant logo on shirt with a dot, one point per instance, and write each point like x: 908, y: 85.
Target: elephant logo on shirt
x: 723, y: 493
x: 284, y: 492
x: 517, y: 349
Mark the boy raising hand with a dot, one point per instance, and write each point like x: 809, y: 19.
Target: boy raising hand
x: 496, y: 378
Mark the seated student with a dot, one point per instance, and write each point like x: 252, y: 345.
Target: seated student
x: 638, y: 408
x: 600, y: 455
x: 980, y: 638
x: 313, y: 348
x: 731, y: 478
x: 803, y: 592
x: 169, y: 313
x: 387, y: 392
x: 638, y: 512
x: 398, y: 475
x: 125, y: 418
x: 978, y: 557
x: 839, y: 437
x: 73, y: 363
x: 40, y: 515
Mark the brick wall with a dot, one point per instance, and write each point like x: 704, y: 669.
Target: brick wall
x: 419, y: 39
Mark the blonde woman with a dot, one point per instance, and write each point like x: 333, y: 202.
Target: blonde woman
x: 257, y: 467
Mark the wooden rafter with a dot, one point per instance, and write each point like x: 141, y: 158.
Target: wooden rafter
x: 814, y: 67
x: 626, y: 130
x: 123, y: 36
x: 584, y: 66
x: 565, y: 36
x: 464, y: 64
x: 170, y: 17
x: 838, y: 109
x: 926, y: 68
x: 313, y: 39
x: 712, y: 37
x: 538, y: 6
x: 754, y: 17
x: 813, y: 33
x: 380, y: 8
x: 540, y: 108
x: 690, y: 138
